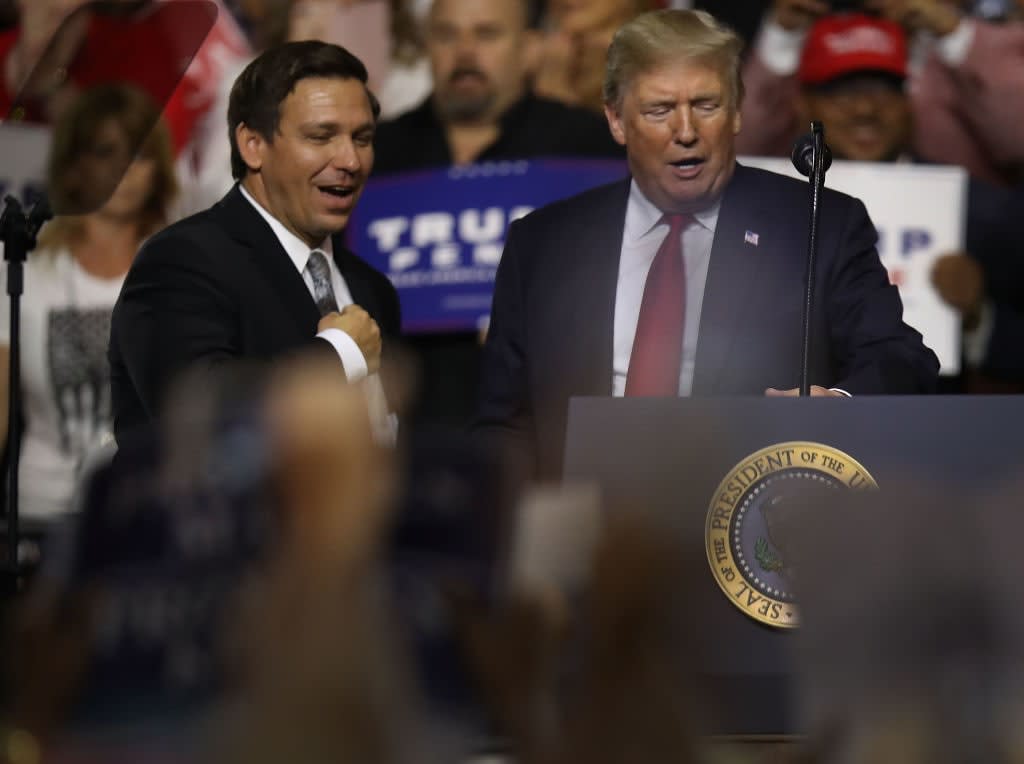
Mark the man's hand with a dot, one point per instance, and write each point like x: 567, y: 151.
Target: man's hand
x: 936, y: 16
x: 798, y: 15
x: 960, y: 282
x: 816, y: 392
x: 358, y: 325
x: 334, y: 485
x: 39, y: 21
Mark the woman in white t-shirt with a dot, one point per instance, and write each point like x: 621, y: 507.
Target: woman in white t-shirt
x: 111, y: 179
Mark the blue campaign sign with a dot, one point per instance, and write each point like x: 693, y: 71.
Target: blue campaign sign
x: 438, y: 234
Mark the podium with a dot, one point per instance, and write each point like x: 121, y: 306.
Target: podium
x: 704, y: 466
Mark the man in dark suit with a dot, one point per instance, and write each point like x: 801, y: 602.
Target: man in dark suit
x: 263, y: 274
x: 687, y: 279
x: 480, y: 110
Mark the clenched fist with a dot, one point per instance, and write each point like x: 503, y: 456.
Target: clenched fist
x: 358, y: 325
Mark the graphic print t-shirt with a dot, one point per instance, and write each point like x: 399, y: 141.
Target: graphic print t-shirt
x: 65, y: 326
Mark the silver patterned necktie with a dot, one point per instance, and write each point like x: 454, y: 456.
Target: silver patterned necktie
x: 323, y: 292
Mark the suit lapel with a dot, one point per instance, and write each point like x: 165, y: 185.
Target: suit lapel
x: 360, y: 289
x: 732, y: 276
x: 591, y: 299
x: 247, y: 226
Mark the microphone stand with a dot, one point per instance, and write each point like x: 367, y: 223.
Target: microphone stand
x: 18, y: 233
x: 812, y: 158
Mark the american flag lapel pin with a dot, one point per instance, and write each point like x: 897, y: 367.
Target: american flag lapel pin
x: 750, y: 237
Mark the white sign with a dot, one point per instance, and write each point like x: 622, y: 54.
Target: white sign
x: 920, y: 213
x: 24, y: 150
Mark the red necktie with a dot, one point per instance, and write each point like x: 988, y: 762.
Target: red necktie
x: 658, y: 343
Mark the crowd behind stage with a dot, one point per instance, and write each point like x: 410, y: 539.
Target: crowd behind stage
x: 261, y: 580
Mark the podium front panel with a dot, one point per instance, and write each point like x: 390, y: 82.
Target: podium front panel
x: 668, y: 457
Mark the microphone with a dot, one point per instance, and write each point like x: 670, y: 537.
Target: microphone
x: 803, y: 155
x: 811, y: 157
x: 40, y: 213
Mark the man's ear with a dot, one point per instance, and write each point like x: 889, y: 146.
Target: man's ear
x: 251, y: 146
x: 615, y: 124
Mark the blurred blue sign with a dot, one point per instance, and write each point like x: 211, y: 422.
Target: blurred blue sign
x: 438, y: 234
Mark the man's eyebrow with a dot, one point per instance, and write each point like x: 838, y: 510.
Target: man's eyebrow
x: 313, y: 125
x: 658, y: 101
x: 336, y: 127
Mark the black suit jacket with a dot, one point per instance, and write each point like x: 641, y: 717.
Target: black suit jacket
x: 551, y: 332
x: 218, y: 287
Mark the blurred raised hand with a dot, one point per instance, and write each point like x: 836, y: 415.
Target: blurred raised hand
x: 939, y: 17
x: 960, y: 282
x: 39, y: 22
x: 796, y: 15
x: 318, y: 671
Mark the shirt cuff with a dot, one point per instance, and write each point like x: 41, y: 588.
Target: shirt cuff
x: 352, y: 359
x: 840, y: 390
x: 779, y: 49
x: 977, y: 339
x: 954, y: 47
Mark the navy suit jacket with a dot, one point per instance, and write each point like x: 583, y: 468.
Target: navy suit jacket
x: 218, y: 287
x: 552, y: 320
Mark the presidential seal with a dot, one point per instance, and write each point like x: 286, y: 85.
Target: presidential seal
x: 746, y: 532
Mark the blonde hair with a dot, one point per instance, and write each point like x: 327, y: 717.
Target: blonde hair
x: 138, y: 118
x: 660, y: 37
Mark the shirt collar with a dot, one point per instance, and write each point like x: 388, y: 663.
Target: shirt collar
x: 642, y: 215
x: 296, y: 249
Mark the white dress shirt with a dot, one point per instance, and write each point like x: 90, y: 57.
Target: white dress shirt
x: 298, y: 251
x: 352, y: 359
x: 642, y: 237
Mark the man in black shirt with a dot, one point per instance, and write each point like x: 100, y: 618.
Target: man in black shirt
x: 481, y: 109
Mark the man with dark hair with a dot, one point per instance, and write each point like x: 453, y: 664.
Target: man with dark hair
x: 481, y: 108
x: 263, y: 274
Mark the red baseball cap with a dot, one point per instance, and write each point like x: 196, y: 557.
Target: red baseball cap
x: 847, y: 43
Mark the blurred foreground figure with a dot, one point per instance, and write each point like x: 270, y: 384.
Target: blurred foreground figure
x: 318, y: 670
x: 912, y: 643
x: 605, y: 674
x: 222, y: 598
